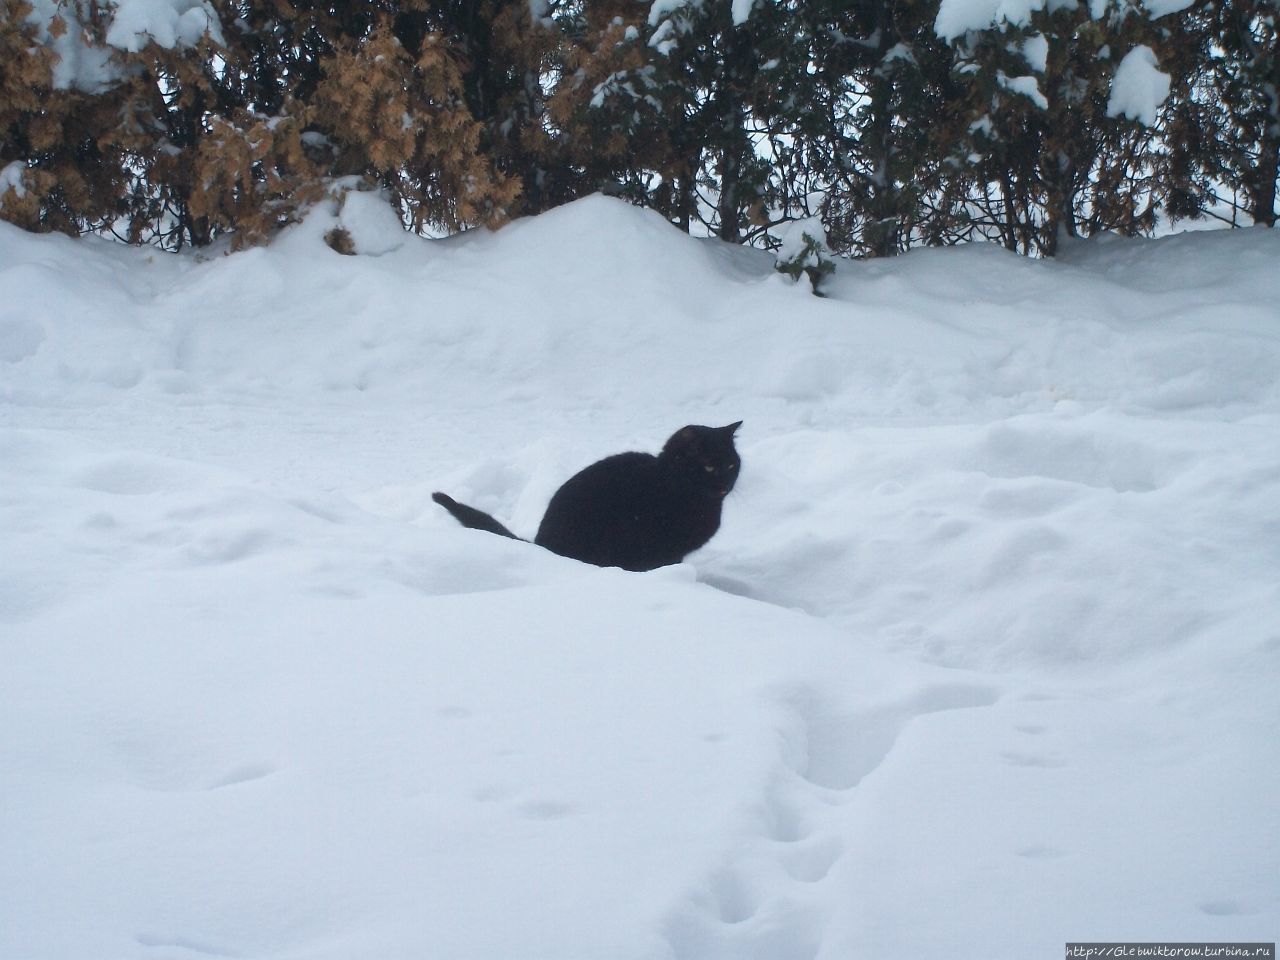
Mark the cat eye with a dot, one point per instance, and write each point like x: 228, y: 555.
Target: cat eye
x: 709, y: 468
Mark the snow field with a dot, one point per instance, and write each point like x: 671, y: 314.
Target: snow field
x: 982, y: 660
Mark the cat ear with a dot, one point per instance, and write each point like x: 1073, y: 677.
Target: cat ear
x: 732, y: 428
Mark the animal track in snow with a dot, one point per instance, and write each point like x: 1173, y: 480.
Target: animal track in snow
x: 810, y: 862
x: 493, y: 793
x: 1040, y: 851
x: 763, y: 902
x: 843, y: 747
x: 781, y: 929
x: 185, y: 944
x: 737, y: 588
x: 244, y: 773
x: 508, y: 796
x: 544, y: 809
x: 1021, y: 758
x: 784, y: 821
x: 230, y: 546
x: 1226, y: 908
x: 181, y: 758
x: 735, y: 901
x: 758, y: 905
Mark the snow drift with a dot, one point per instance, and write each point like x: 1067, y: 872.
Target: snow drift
x: 983, y: 659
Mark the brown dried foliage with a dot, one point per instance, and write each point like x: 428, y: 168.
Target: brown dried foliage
x: 67, y: 176
x: 404, y: 122
x: 589, y: 139
x: 177, y: 150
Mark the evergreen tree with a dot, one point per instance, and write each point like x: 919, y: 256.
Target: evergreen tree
x: 238, y: 128
x: 686, y: 88
x: 877, y: 123
x: 1224, y: 130
x: 609, y: 127
x: 506, y: 50
x: 874, y: 102
x: 1042, y: 154
x: 63, y: 140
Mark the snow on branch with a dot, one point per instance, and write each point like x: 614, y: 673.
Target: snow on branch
x: 1139, y: 87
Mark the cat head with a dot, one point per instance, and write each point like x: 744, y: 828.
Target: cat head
x: 705, y: 457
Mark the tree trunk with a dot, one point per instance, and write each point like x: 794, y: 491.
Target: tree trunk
x: 735, y: 146
x: 1262, y: 188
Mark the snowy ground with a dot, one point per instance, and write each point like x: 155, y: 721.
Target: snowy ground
x: 984, y: 658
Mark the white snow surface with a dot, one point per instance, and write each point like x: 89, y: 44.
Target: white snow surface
x: 11, y: 178
x: 983, y: 659
x: 170, y: 23
x: 1139, y: 87
x: 1025, y: 86
x: 1036, y: 50
x: 1161, y: 8
x: 79, y: 64
x: 132, y: 24
x: 796, y: 235
x: 661, y: 9
x: 739, y: 10
x: 957, y: 17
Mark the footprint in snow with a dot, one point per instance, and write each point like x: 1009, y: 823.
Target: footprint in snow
x: 544, y: 810
x: 187, y: 944
x: 784, y: 818
x: 810, y: 862
x: 1226, y: 908
x: 244, y: 773
x: 843, y: 747
x: 1041, y: 851
x: 229, y: 546
x: 1020, y: 758
x: 762, y: 902
x: 779, y: 929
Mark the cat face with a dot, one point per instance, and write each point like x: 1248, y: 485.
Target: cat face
x: 705, y: 457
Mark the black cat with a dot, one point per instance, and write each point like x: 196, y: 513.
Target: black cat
x: 634, y: 510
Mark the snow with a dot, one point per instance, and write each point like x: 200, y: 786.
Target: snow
x: 1025, y: 86
x: 739, y: 10
x: 1036, y: 51
x: 369, y: 219
x: 957, y: 17
x: 79, y: 65
x: 1139, y: 87
x: 132, y: 25
x: 659, y: 10
x: 663, y: 40
x: 169, y: 23
x: 1161, y: 8
x: 983, y: 659
x: 796, y: 236
x: 11, y: 178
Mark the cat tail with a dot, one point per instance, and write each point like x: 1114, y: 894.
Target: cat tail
x: 471, y: 517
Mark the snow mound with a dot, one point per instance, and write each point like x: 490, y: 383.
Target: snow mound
x: 984, y: 653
